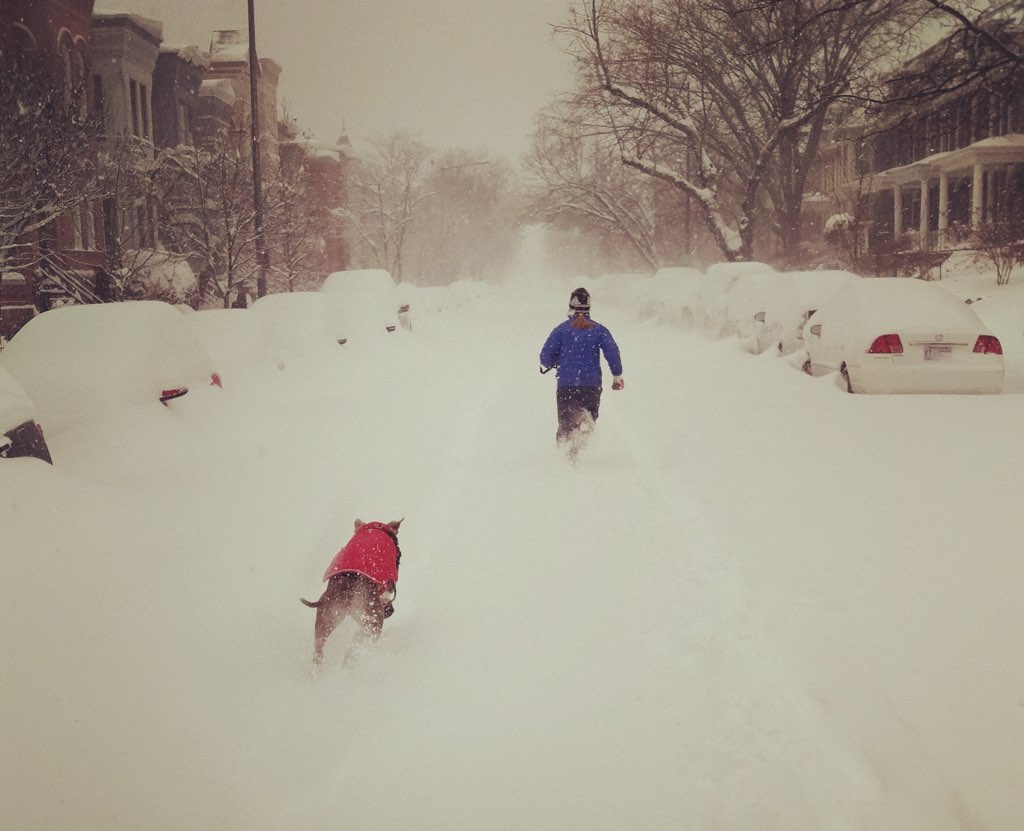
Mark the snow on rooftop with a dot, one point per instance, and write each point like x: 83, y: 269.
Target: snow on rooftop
x: 190, y: 54
x: 152, y: 27
x: 321, y: 149
x: 219, y: 88
x: 229, y: 45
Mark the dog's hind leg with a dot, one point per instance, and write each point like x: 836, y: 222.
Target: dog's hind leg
x: 319, y: 638
x: 326, y: 619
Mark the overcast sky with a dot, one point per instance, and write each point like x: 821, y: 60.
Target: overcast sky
x: 455, y: 73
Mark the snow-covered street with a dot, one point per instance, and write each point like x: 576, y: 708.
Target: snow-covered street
x: 755, y: 603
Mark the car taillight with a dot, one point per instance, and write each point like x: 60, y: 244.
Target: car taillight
x: 886, y: 345
x: 176, y: 392
x: 988, y: 345
x: 215, y: 380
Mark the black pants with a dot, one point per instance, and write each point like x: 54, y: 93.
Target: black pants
x: 574, y: 404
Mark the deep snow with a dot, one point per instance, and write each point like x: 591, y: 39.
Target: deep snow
x: 756, y: 603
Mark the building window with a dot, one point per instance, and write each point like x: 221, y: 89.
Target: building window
x: 981, y: 117
x: 88, y: 223
x: 110, y: 223
x: 76, y: 227
x: 144, y: 109
x: 134, y: 92
x: 963, y: 124
x: 98, y: 97
x: 65, y: 54
x: 81, y: 85
x: 184, y: 124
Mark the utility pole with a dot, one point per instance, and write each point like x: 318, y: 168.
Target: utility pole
x: 262, y: 257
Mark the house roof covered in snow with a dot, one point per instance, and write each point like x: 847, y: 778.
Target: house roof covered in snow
x: 109, y: 15
x: 190, y: 54
x: 220, y: 88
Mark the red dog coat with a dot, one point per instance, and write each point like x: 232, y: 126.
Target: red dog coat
x: 372, y: 551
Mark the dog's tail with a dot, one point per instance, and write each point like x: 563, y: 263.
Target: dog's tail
x: 311, y: 605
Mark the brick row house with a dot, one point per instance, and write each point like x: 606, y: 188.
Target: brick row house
x: 925, y: 174
x: 150, y: 96
x: 58, y: 34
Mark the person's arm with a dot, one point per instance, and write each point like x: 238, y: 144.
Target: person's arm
x: 550, y: 352
x: 614, y: 359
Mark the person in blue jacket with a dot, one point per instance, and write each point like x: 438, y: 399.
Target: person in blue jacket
x: 574, y: 347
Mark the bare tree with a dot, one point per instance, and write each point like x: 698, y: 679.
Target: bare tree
x: 725, y: 100
x: 1002, y: 244
x: 578, y: 182
x: 134, y: 264
x: 975, y: 19
x: 48, y: 145
x: 208, y: 213
x: 466, y: 226
x: 295, y: 233
x: 390, y: 190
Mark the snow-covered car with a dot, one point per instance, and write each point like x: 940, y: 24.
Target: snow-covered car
x: 295, y: 324
x: 20, y: 433
x: 364, y: 303
x: 79, y: 362
x: 231, y: 337
x: 718, y: 282
x: 747, y: 299
x: 901, y: 335
x: 675, y: 293
x: 798, y: 294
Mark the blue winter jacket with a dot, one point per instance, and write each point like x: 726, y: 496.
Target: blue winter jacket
x: 575, y: 353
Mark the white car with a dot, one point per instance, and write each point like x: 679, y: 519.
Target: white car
x: 749, y: 296
x: 797, y: 295
x: 364, y: 303
x: 714, y: 296
x: 902, y: 335
x: 82, y: 362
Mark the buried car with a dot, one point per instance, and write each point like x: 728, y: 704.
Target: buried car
x: 295, y: 324
x: 797, y: 295
x: 902, y: 335
x: 20, y: 433
x: 364, y: 303
x: 718, y: 281
x: 81, y: 362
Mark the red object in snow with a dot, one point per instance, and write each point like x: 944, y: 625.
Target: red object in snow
x: 372, y: 551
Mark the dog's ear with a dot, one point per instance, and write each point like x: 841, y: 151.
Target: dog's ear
x: 395, y: 523
x: 359, y: 524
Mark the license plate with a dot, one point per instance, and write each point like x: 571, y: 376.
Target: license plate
x: 937, y: 351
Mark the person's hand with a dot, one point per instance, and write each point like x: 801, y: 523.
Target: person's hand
x: 618, y: 383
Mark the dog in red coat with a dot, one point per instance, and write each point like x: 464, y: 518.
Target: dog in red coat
x: 361, y: 582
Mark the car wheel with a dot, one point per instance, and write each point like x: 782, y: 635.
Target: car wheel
x: 845, y: 373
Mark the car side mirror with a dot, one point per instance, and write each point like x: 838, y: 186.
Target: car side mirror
x: 816, y: 329
x: 759, y: 317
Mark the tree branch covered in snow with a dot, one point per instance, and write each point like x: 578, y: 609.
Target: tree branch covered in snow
x: 725, y: 100
x: 579, y: 183
x: 48, y: 146
x: 208, y: 212
x: 430, y: 217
